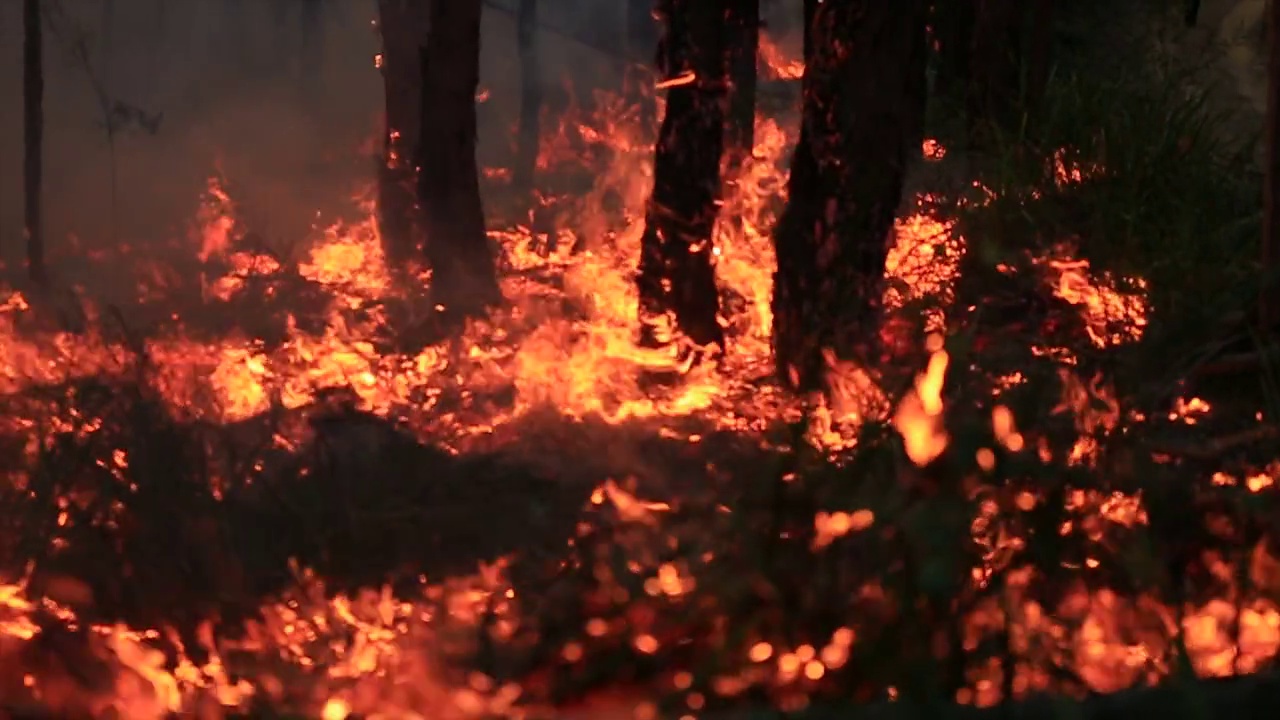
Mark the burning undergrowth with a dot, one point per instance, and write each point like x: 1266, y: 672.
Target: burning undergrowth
x: 265, y: 492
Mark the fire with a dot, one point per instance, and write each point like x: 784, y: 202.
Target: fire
x: 775, y: 63
x: 919, y: 417
x: 561, y: 352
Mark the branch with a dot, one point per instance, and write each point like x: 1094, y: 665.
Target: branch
x: 1219, y: 446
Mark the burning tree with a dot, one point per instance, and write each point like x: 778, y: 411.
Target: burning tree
x: 464, y: 278
x: 403, y: 27
x: 863, y: 107
x: 676, y: 278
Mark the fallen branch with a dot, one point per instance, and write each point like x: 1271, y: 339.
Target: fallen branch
x: 1219, y: 446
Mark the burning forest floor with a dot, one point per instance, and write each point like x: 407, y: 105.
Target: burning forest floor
x: 267, y: 494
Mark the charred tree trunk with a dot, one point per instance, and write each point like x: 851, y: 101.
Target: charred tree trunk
x: 1039, y: 53
x: 809, y: 13
x: 1269, y: 309
x: 953, y: 25
x: 676, y: 280
x: 33, y: 136
x: 863, y: 97
x: 742, y: 46
x: 995, y: 59
x: 530, y: 97
x: 403, y: 27
x: 464, y: 279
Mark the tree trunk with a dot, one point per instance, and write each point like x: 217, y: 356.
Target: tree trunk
x: 403, y: 26
x: 863, y: 99
x: 676, y: 281
x: 33, y: 136
x: 995, y: 60
x: 463, y: 274
x: 742, y: 48
x: 1039, y: 52
x: 809, y: 13
x: 953, y: 24
x: 1269, y: 310
x: 530, y: 97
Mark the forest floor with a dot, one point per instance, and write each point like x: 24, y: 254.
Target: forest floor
x: 262, y: 464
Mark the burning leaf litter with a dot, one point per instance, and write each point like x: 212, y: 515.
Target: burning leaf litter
x: 564, y: 344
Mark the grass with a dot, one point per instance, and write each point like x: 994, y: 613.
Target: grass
x: 681, y: 599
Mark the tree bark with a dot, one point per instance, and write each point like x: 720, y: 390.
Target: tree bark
x: 464, y: 278
x: 742, y: 49
x: 530, y: 97
x: 953, y: 24
x: 1039, y: 51
x: 995, y: 57
x: 863, y: 100
x: 676, y: 280
x: 33, y: 136
x: 403, y: 25
x: 809, y: 12
x: 1269, y: 310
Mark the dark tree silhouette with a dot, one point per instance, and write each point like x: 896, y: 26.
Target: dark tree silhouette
x: 464, y: 279
x: 742, y: 46
x: 863, y: 104
x: 1270, y: 307
x: 810, y: 11
x: 1039, y: 55
x: 994, y: 62
x: 676, y: 277
x: 33, y: 136
x: 403, y: 27
x: 953, y: 24
x: 530, y: 96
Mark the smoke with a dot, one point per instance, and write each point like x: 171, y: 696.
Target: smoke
x: 203, y: 86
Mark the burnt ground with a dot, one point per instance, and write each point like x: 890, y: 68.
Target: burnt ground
x: 205, y: 519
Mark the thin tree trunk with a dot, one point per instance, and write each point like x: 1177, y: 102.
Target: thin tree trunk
x: 676, y: 280
x: 464, y: 278
x: 530, y: 97
x: 809, y: 13
x: 1269, y: 310
x: 1039, y: 51
x: 953, y: 25
x: 33, y: 136
x: 863, y: 87
x: 995, y: 60
x: 403, y: 25
x: 741, y: 61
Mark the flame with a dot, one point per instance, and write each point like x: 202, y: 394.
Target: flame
x: 774, y: 62
x: 919, y: 416
x: 563, y: 346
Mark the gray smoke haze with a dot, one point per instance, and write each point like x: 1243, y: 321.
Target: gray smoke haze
x: 225, y: 75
